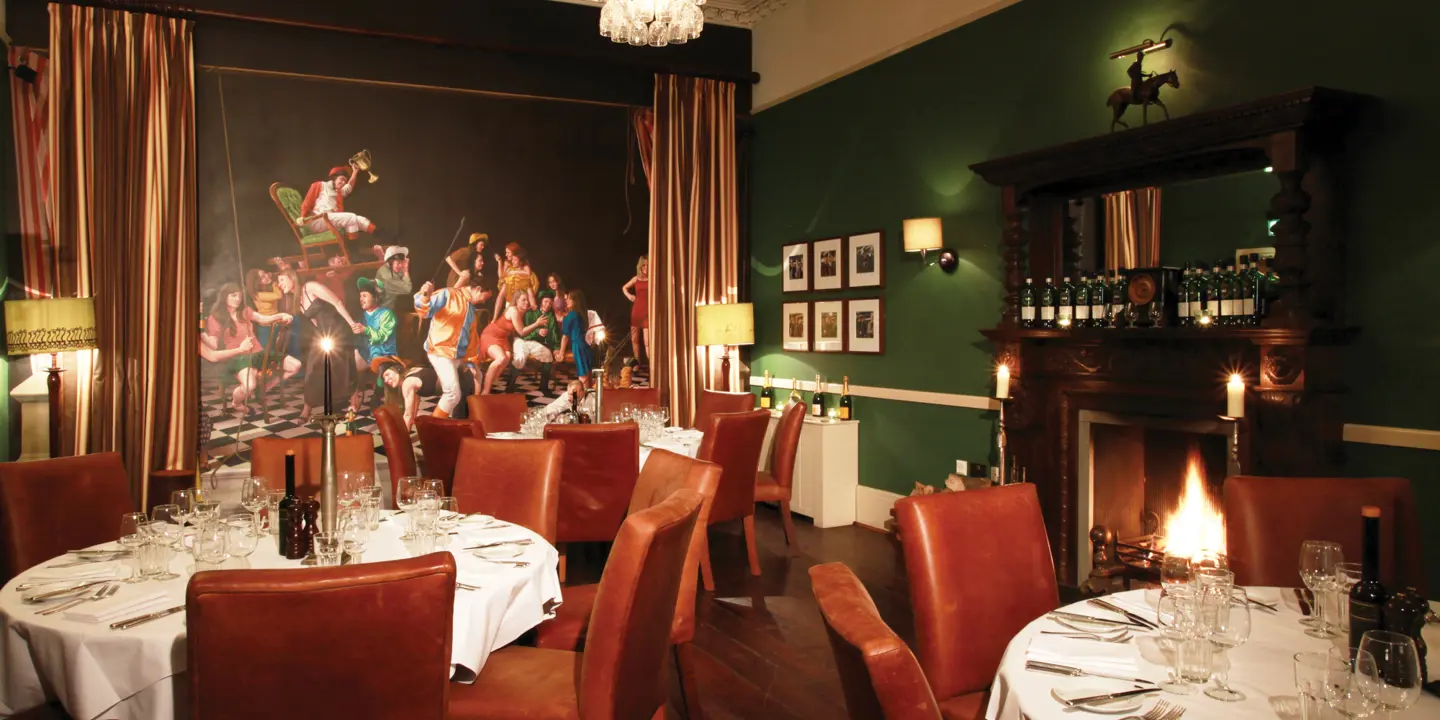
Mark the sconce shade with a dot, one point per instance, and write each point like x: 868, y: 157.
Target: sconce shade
x: 923, y: 234
x: 52, y: 325
x: 725, y: 324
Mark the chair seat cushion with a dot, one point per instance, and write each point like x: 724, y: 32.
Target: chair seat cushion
x: 521, y: 683
x: 767, y: 490
x: 566, y: 631
x: 970, y: 706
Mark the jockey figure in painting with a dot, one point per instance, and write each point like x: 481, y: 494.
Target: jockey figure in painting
x: 326, y: 199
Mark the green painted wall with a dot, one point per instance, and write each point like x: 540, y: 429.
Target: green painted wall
x: 895, y: 140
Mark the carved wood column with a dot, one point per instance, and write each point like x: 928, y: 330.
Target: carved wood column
x: 1014, y: 238
x: 1289, y: 205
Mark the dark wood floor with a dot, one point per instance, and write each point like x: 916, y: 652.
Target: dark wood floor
x: 762, y: 647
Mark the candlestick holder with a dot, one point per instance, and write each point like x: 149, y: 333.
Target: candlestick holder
x: 328, y: 473
x: 1234, y: 442
x: 1000, y: 440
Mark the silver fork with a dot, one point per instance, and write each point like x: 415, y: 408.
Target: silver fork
x: 1123, y: 637
x: 100, y: 593
x: 1161, y: 711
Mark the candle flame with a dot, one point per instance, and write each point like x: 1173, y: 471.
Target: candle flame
x: 326, y: 344
x: 1003, y: 371
x: 1196, y: 526
x: 1236, y: 380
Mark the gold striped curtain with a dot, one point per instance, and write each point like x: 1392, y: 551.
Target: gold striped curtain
x: 122, y: 194
x: 694, y: 230
x: 1132, y: 229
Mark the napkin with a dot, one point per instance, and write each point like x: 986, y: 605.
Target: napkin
x: 88, y: 571
x: 119, y: 607
x: 1110, y: 658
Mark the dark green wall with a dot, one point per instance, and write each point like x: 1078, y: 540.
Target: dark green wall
x: 895, y: 140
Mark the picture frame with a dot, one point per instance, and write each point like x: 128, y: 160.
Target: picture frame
x: 828, y: 327
x: 795, y: 326
x: 865, y: 325
x: 795, y: 267
x: 865, y: 260
x: 828, y: 264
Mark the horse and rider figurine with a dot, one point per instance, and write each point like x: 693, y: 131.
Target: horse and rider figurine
x: 1144, y: 90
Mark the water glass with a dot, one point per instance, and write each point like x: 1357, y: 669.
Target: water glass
x: 1174, y: 571
x: 1397, y: 662
x: 1352, y: 683
x: 272, y: 512
x: 132, y: 536
x: 405, y: 493
x: 1318, y: 561
x: 1311, y: 672
x: 242, y: 538
x: 209, y: 546
x: 354, y: 533
x: 1230, y: 630
x: 327, y: 548
x: 151, y: 560
x: 165, y: 531
x: 1178, y: 614
x: 1347, y: 574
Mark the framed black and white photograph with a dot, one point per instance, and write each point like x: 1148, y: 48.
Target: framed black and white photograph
x: 797, y: 326
x: 795, y: 264
x: 829, y: 327
x: 866, y: 260
x: 829, y: 263
x: 865, y: 325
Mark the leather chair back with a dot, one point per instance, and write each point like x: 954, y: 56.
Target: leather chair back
x: 734, y: 442
x: 48, y: 507
x: 602, y: 463
x: 622, y: 671
x: 333, y: 643
x: 399, y: 448
x: 616, y: 398
x: 440, y: 443
x: 880, y: 676
x: 516, y: 481
x: 498, y: 412
x: 1267, y: 518
x: 786, y: 443
x: 353, y: 453
x: 663, y: 474
x: 980, y: 570
x: 712, y: 403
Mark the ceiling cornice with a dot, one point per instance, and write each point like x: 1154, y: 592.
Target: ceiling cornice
x: 735, y: 13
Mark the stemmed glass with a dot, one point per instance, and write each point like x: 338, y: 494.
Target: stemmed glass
x: 184, y: 499
x: 354, y: 533
x: 253, y: 491
x: 1230, y: 630
x: 1318, y: 559
x: 405, y: 494
x: 132, y: 536
x: 1397, y: 662
x: 1174, y: 572
x: 167, y: 530
x: 1352, y: 687
x: 1178, y: 616
x: 241, y: 537
x: 1312, y: 671
x: 209, y: 547
x: 449, y: 517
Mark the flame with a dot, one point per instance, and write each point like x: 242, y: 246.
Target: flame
x: 1197, y: 525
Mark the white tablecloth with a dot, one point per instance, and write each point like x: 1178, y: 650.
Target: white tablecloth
x: 1262, y: 668
x: 683, y: 441
x: 98, y: 672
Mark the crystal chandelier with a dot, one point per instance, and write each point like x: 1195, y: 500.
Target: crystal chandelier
x: 652, y: 22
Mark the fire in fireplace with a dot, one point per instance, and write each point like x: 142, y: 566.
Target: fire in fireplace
x: 1196, y: 526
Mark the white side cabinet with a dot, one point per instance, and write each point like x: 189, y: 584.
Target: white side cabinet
x: 827, y: 470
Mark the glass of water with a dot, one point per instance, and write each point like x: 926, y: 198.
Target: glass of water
x: 327, y: 548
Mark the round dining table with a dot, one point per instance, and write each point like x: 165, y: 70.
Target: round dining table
x: 1263, y: 668
x: 137, y: 673
x: 683, y: 441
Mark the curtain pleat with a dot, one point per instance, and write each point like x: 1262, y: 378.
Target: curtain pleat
x: 1132, y: 228
x: 30, y: 116
x: 122, y: 107
x: 643, y: 119
x: 694, y: 229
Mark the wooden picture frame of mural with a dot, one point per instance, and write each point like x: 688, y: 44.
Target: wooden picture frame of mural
x: 866, y: 339
x: 795, y: 267
x: 832, y: 311
x: 793, y: 316
x: 827, y: 264
x: 854, y: 263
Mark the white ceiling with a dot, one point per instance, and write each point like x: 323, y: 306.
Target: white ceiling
x: 739, y: 13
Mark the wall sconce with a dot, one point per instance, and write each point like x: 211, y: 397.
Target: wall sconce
x: 1147, y: 47
x: 923, y: 235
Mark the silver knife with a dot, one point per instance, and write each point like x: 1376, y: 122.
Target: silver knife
x: 1097, y: 602
x: 141, y: 620
x: 1108, y: 697
x: 1039, y: 666
x: 1093, y: 619
x: 521, y: 541
x: 62, y: 592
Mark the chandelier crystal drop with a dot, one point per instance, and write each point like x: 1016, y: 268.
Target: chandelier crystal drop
x: 656, y: 23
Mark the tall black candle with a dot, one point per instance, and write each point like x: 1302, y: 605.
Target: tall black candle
x: 325, y: 346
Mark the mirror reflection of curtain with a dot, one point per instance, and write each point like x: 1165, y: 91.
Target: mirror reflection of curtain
x: 1132, y: 229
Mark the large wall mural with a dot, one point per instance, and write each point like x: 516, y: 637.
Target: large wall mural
x: 439, y: 243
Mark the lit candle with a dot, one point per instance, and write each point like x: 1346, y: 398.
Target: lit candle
x: 326, y: 345
x: 1235, y: 396
x: 1002, y: 382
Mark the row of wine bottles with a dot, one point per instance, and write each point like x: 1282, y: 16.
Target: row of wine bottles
x: 1223, y: 296
x: 819, y: 400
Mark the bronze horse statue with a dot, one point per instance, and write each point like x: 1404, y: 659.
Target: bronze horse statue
x: 1148, y: 94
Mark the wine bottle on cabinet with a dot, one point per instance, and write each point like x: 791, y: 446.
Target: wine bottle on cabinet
x: 1027, y: 304
x: 794, y: 398
x: 1212, y: 294
x: 1049, y: 302
x: 1257, y: 280
x: 767, y: 394
x: 1194, y: 292
x: 1229, y: 298
x: 1182, y: 306
x: 847, y: 405
x: 1368, y: 596
x: 1065, y: 310
x: 1099, y: 302
x: 1119, y: 296
x: 817, y: 399
x: 292, y: 538
x: 1082, y: 301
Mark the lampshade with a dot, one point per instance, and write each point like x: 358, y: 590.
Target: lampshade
x: 725, y: 324
x: 923, y: 234
x: 53, y: 325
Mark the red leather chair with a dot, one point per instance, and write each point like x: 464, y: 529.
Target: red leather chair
x: 712, y: 403
x: 353, y: 453
x: 440, y: 442
x: 164, y: 482
x: 517, y: 481
x: 980, y: 570
x: 621, y: 672
x: 616, y: 398
x: 358, y: 641
x: 1267, y: 518
x: 48, y: 507
x: 664, y: 473
x: 734, y: 442
x: 774, y: 485
x: 498, y: 412
x: 879, y: 675
x: 399, y: 448
x: 601, y: 464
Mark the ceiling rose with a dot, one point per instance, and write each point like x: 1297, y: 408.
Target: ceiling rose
x: 656, y: 23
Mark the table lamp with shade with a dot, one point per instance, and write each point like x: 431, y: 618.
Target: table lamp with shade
x: 726, y: 324
x: 925, y: 234
x: 47, y: 326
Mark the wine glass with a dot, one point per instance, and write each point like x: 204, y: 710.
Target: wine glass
x: 132, y: 536
x: 1230, y: 630
x: 1312, y: 670
x: 253, y: 491
x: 1318, y: 559
x: 405, y: 494
x: 166, y: 528
x: 1352, y: 687
x: 354, y: 533
x: 184, y: 498
x: 1174, y: 571
x: 1398, y: 664
x: 209, y: 546
x: 434, y: 485
x: 1176, y: 614
x: 449, y: 517
x: 241, y: 537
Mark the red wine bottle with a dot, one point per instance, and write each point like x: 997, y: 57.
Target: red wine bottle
x: 1367, y: 598
x: 290, y: 545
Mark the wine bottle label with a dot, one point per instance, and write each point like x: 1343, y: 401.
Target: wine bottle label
x: 817, y: 409
x: 1247, y: 306
x: 1118, y: 308
x: 1047, y: 313
x: 1027, y: 313
x: 1065, y: 312
x: 765, y: 403
x: 1097, y: 312
x: 844, y: 413
x: 1364, y: 616
x: 1211, y: 306
x: 1227, y: 307
x: 1082, y: 312
x: 1184, y: 308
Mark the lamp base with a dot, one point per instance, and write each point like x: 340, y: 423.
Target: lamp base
x: 725, y: 371
x: 34, y: 399
x: 52, y: 385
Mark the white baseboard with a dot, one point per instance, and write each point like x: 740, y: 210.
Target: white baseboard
x: 872, y: 506
x: 1393, y: 436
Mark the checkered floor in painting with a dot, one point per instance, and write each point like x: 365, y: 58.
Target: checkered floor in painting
x: 230, y: 439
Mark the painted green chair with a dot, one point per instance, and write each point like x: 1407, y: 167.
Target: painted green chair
x: 289, y: 199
